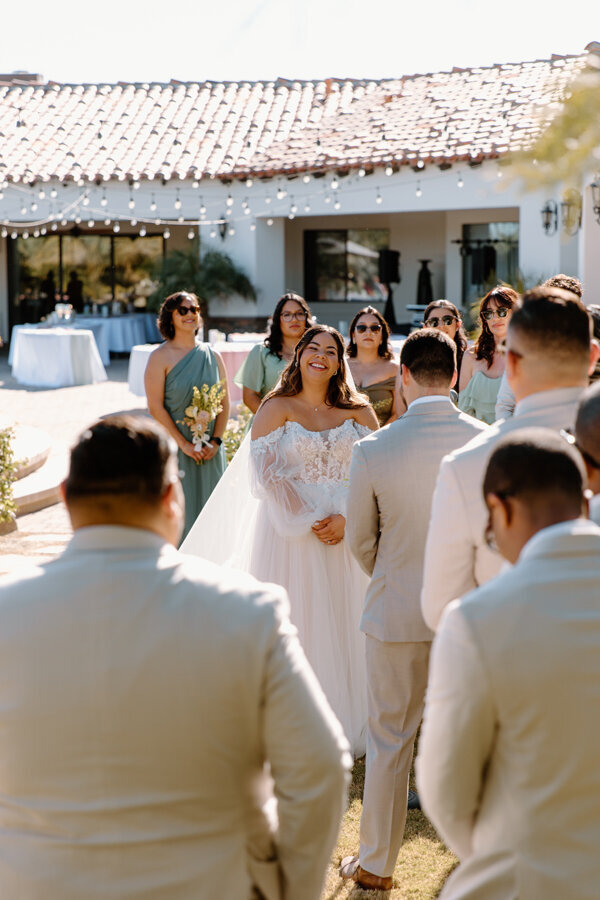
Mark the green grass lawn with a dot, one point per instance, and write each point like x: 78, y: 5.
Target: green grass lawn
x: 423, y: 865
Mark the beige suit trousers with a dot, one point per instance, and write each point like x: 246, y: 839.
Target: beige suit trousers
x: 396, y: 683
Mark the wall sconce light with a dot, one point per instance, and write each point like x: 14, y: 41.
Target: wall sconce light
x: 595, y: 186
x: 223, y: 226
x: 549, y: 214
x: 570, y: 211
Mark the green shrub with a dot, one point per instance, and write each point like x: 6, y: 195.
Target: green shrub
x: 7, y: 475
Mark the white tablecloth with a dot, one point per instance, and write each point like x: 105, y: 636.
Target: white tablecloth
x: 138, y: 359
x: 100, y: 330
x: 56, y: 357
x: 124, y: 332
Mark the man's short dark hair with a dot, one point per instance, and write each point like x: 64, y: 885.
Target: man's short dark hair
x: 566, y: 282
x: 120, y: 455
x: 430, y: 357
x: 536, y: 463
x: 554, y: 322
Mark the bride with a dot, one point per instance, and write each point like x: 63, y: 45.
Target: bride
x: 293, y: 532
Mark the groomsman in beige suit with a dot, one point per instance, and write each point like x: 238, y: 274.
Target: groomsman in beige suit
x: 508, y: 755
x: 587, y: 436
x: 142, y: 693
x: 392, y: 478
x: 549, y: 355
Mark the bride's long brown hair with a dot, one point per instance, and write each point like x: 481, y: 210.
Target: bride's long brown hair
x: 339, y: 392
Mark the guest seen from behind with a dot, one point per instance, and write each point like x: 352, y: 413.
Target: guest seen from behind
x: 372, y: 362
x: 157, y: 687
x: 173, y: 370
x: 508, y: 755
x: 264, y: 364
x: 483, y: 364
x: 549, y: 355
x: 392, y: 478
x: 505, y: 401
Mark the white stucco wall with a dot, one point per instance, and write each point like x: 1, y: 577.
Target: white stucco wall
x: 3, y: 292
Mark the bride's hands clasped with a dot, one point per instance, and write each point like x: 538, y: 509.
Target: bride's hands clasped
x: 330, y: 530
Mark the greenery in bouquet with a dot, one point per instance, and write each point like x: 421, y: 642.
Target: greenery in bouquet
x: 207, y: 403
x: 7, y: 475
x: 236, y: 431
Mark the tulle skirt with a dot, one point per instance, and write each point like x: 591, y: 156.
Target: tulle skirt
x: 326, y: 588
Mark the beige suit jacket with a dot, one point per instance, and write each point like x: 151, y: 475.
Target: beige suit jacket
x: 392, y: 478
x: 141, y: 692
x: 456, y: 556
x: 508, y: 766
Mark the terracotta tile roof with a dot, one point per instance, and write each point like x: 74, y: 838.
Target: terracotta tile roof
x: 463, y: 115
x: 228, y: 129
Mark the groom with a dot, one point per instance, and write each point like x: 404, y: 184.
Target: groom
x: 141, y: 693
x: 392, y: 479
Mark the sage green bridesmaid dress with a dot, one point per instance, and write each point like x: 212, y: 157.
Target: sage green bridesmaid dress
x: 197, y: 367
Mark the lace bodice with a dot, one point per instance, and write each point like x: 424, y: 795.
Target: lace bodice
x: 303, y: 474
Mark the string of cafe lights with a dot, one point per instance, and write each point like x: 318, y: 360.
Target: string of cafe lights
x: 332, y: 188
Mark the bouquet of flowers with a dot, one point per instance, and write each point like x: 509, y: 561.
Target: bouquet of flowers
x: 205, y: 407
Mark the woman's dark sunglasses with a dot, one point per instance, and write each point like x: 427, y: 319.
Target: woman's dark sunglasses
x: 362, y: 328
x: 501, y: 312
x: 433, y: 322
x: 184, y: 310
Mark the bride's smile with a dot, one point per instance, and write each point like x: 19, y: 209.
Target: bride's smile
x: 320, y: 356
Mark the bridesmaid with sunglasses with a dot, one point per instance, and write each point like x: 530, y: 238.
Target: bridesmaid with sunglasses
x: 174, y: 369
x: 483, y: 364
x: 444, y: 316
x: 372, y: 363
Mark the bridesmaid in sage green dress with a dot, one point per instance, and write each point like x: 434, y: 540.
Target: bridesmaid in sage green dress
x: 264, y: 364
x: 372, y: 363
x: 173, y: 370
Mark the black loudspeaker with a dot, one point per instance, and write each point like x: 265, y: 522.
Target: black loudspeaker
x: 389, y: 266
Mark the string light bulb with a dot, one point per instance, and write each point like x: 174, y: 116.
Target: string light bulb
x: 133, y: 223
x: 36, y: 232
x: 33, y: 206
x: 231, y: 231
x: 177, y: 203
x: 378, y: 198
x: 253, y: 225
x: 334, y: 183
x: 131, y: 203
x: 249, y: 182
x: 41, y: 194
x: 306, y: 178
x: 267, y: 199
x: 362, y: 172
x: 143, y: 231
x: 337, y: 204
x: 166, y: 234
x: 307, y: 206
x: 229, y: 200
x: 281, y: 193
x: 4, y: 233
x: 107, y: 221
x: 327, y: 199
x: 85, y: 201
x: 116, y: 228
x: 418, y: 191
x: 43, y: 230
x: 202, y: 208
x: 389, y: 170
x: 53, y: 193
x: 91, y: 223
x: 23, y: 210
x: 54, y: 227
x: 459, y: 181
x: 152, y: 204
x: 191, y: 234
x: 269, y: 222
x: 195, y: 184
x: 212, y: 234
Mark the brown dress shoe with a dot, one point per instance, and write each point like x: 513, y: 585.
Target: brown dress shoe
x: 351, y: 869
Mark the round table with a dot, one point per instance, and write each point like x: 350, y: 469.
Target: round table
x: 56, y: 357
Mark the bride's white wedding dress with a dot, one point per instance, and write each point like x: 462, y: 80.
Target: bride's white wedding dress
x: 298, y: 476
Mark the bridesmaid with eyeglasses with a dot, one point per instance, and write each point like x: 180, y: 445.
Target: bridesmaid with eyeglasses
x: 264, y: 364
x: 483, y: 364
x: 372, y: 363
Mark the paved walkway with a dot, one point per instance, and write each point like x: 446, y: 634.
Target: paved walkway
x: 62, y: 413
